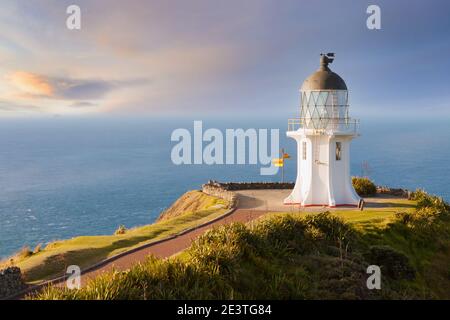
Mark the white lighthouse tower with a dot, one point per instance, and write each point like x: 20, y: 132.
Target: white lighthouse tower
x: 323, y: 134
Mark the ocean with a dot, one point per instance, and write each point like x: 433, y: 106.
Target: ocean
x: 61, y: 178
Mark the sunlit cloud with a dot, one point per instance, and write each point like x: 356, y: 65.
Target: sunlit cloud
x: 30, y: 83
x: 39, y: 86
x: 69, y: 92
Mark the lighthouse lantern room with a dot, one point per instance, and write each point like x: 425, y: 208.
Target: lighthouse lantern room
x: 323, y: 134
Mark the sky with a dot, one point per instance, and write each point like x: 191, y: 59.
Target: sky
x: 213, y: 58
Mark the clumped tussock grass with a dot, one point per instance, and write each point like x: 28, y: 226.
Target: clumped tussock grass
x: 120, y: 230
x: 38, y: 248
x: 290, y: 257
x: 423, y: 236
x: 24, y: 252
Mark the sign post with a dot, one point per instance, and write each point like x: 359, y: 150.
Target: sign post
x: 279, y: 162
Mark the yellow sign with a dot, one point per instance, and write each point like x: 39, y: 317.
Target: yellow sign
x: 277, y: 162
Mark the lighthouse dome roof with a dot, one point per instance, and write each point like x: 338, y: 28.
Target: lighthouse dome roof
x: 324, y: 78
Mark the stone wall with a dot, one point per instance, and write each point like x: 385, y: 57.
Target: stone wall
x: 233, y: 186
x: 398, y: 192
x: 11, y: 282
x: 218, y: 191
x: 224, y: 190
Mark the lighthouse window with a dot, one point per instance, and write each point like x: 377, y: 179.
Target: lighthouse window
x: 304, y: 150
x: 338, y: 150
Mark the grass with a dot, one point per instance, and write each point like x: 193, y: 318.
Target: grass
x: 379, y: 226
x: 231, y: 262
x: 292, y: 256
x: 370, y: 217
x: 191, y: 202
x: 424, y: 237
x: 88, y: 250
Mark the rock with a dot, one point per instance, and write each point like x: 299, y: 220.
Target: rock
x: 11, y: 282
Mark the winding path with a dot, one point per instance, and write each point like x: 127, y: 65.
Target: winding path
x: 167, y: 248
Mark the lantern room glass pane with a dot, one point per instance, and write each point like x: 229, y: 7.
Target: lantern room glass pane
x: 322, y: 112
x: 315, y: 118
x: 324, y: 109
x: 304, y: 99
x: 311, y: 101
x: 329, y: 101
x: 342, y: 97
x: 322, y: 100
x: 315, y: 95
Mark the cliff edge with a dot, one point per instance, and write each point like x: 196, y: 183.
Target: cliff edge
x: 192, y: 201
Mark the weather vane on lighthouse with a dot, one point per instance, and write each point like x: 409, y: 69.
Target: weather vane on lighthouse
x: 323, y: 134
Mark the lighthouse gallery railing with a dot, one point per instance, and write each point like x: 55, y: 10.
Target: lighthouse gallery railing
x: 334, y: 124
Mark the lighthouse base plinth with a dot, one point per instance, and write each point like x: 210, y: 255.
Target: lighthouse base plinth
x: 320, y: 205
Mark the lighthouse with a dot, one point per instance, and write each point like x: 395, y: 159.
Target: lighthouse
x: 323, y: 133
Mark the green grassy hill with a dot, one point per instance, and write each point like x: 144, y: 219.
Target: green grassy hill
x: 292, y: 256
x: 85, y: 251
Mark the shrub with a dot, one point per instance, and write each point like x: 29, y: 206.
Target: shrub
x: 363, y: 186
x: 404, y: 217
x: 332, y: 229
x: 154, y: 279
x: 282, y: 234
x: 423, y: 217
x: 425, y: 200
x: 393, y: 263
x: 25, y: 252
x: 120, y: 230
x: 217, y: 250
x: 38, y: 248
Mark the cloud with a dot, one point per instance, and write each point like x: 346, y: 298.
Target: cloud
x: 8, y: 106
x: 31, y: 83
x: 71, y: 89
x: 35, y: 86
x: 186, y: 55
x: 83, y: 104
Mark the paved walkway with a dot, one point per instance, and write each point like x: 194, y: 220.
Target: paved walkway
x: 272, y: 200
x: 170, y: 247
